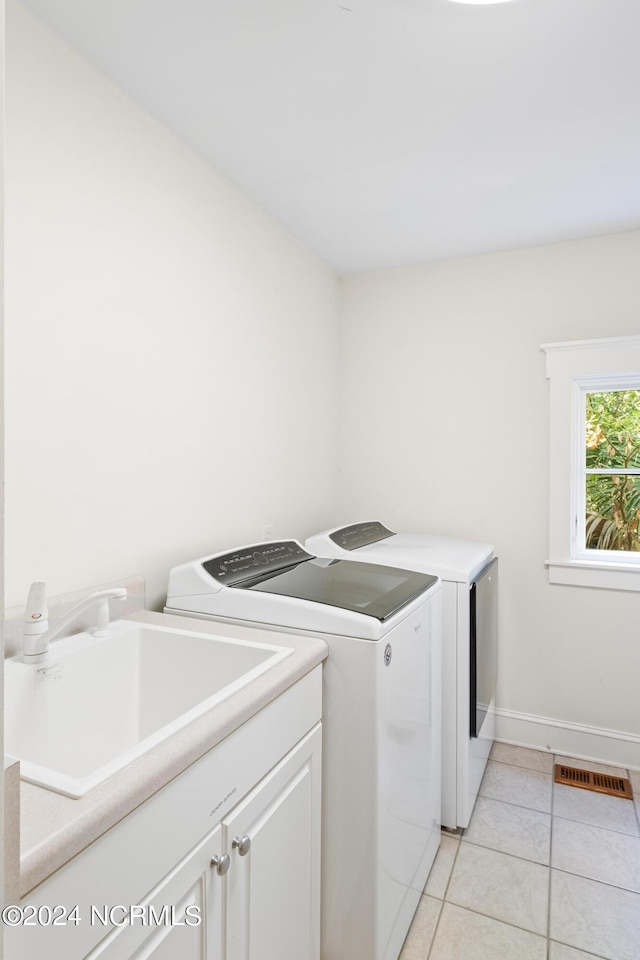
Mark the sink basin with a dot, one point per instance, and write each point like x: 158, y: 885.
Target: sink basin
x: 94, y: 705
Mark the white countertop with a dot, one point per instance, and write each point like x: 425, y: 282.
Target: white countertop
x: 54, y: 828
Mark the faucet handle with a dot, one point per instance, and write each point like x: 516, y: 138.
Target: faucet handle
x: 36, y: 613
x: 36, y: 621
x: 102, y: 620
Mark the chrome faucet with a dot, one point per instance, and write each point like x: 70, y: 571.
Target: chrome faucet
x: 37, y: 633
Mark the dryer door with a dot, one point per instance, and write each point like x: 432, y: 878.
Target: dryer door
x: 484, y: 645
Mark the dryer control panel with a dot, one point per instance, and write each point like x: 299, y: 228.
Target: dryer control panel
x: 360, y: 535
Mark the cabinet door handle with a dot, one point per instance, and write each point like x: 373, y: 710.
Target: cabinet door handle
x: 221, y: 864
x: 242, y: 844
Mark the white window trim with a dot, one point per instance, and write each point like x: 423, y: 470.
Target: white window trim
x: 573, y: 368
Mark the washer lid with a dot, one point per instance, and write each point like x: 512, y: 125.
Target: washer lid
x: 284, y: 569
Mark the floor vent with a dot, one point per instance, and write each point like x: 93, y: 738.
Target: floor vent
x: 589, y: 780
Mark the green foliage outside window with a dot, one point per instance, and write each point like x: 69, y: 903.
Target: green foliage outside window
x: 613, y: 444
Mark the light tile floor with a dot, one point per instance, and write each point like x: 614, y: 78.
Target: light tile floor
x: 543, y: 872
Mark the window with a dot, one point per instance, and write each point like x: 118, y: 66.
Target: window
x: 611, y: 481
x: 594, y: 536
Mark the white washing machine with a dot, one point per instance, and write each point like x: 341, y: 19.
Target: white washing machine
x: 381, y: 720
x: 469, y: 574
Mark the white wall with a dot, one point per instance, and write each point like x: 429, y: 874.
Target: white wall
x: 172, y: 382
x: 445, y: 429
x: 160, y: 331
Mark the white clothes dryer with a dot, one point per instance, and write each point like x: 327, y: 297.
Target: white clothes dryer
x: 381, y: 720
x: 469, y: 574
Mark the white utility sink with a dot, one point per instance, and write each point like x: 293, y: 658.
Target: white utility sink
x: 94, y: 705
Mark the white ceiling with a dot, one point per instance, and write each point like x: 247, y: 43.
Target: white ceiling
x: 389, y: 132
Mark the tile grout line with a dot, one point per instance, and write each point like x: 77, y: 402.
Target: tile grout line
x: 505, y: 853
x: 553, y: 794
x: 453, y: 864
x: 435, y: 930
x: 444, y: 900
x: 476, y: 911
x: 522, y: 806
x: 544, y: 773
x: 520, y: 766
x: 547, y: 812
x: 587, y: 953
x: 599, y: 826
x: 510, y: 856
x: 517, y: 806
x: 603, y: 883
x: 489, y: 916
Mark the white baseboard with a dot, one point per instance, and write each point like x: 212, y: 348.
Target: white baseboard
x: 568, y: 739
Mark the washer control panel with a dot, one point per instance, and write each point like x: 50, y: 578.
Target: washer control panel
x: 255, y: 561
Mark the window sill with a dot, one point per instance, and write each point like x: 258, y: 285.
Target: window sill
x: 590, y: 573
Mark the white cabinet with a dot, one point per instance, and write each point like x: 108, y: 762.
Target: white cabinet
x: 273, y: 883
x: 181, y: 918
x: 221, y: 864
x: 253, y: 882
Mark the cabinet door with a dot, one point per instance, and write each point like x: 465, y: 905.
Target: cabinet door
x: 181, y: 917
x: 273, y: 884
